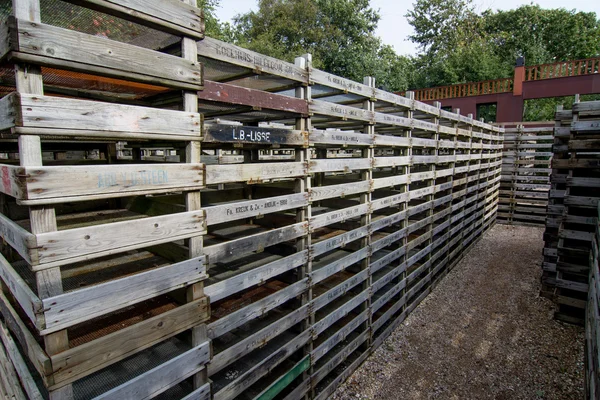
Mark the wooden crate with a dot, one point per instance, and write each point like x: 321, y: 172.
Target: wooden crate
x: 572, y: 214
x: 327, y: 209
x: 92, y: 286
x: 525, y: 183
x: 592, y: 322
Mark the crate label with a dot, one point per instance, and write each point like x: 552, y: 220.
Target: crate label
x: 257, y: 207
x: 136, y: 178
x: 257, y: 59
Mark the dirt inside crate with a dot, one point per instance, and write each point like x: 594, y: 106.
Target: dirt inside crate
x: 99, y: 327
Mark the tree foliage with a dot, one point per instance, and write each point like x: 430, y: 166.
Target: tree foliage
x: 340, y: 35
x: 456, y: 44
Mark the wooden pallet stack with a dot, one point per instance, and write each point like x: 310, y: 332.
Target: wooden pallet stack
x: 94, y: 303
x: 322, y: 211
x: 362, y: 201
x: 574, y: 195
x: 592, y: 321
x: 525, y: 175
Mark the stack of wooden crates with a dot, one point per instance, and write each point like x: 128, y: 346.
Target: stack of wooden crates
x: 592, y: 320
x: 572, y: 209
x: 93, y: 302
x: 525, y: 183
x: 312, y: 212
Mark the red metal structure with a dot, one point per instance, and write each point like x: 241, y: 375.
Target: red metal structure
x: 559, y: 79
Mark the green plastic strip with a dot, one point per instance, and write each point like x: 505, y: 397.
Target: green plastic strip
x: 281, y: 383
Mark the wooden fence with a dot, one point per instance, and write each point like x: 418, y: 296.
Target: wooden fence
x: 186, y: 219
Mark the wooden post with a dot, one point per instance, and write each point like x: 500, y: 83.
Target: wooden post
x: 365, y: 220
x: 189, y: 51
x: 43, y: 219
x: 303, y: 185
x: 409, y: 152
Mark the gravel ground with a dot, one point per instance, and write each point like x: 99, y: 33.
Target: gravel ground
x: 484, y: 333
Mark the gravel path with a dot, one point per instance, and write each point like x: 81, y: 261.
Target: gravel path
x: 484, y: 333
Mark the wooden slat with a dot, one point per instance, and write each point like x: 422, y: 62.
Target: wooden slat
x: 81, y: 305
x: 163, y: 377
x: 83, y: 360
x: 257, y: 99
x: 38, y: 358
x: 256, y: 276
x: 218, y: 50
x: 221, y: 133
x: 57, y: 248
x: 18, y: 363
x: 19, y: 239
x: 253, y: 208
x: 169, y: 15
x: 256, y: 340
x: 253, y: 173
x: 49, y: 185
x: 46, y: 115
x: 66, y: 49
x: 29, y: 302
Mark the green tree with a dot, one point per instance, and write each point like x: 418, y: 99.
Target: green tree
x: 213, y: 27
x: 338, y: 33
x: 542, y: 36
x: 453, y: 47
x: 457, y: 45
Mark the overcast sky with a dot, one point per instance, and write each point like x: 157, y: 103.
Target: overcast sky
x: 393, y: 27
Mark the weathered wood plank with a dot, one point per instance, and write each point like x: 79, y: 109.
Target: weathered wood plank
x: 19, y: 239
x: 74, y: 307
x: 323, y: 273
x: 47, y: 185
x: 337, y: 216
x: 226, y: 251
x: 340, y: 190
x: 252, y: 342
x: 252, y: 208
x: 339, y: 336
x: 169, y: 15
x: 255, y: 310
x: 338, y: 241
x: 336, y: 82
x: 60, y: 247
x: 342, y: 138
x: 345, y: 165
x: 320, y: 107
x: 163, y: 377
x: 73, y: 117
x: 229, y: 53
x: 222, y: 133
x: 253, y: 173
x: 11, y: 181
x: 242, y: 281
x: 9, y: 111
x: 340, y: 312
x: 261, y: 368
x: 77, y: 362
x: 339, y: 290
x: 18, y: 363
x: 55, y: 47
x: 29, y: 302
x: 38, y: 358
x: 257, y: 99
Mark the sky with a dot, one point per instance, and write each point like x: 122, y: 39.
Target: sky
x: 393, y: 27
